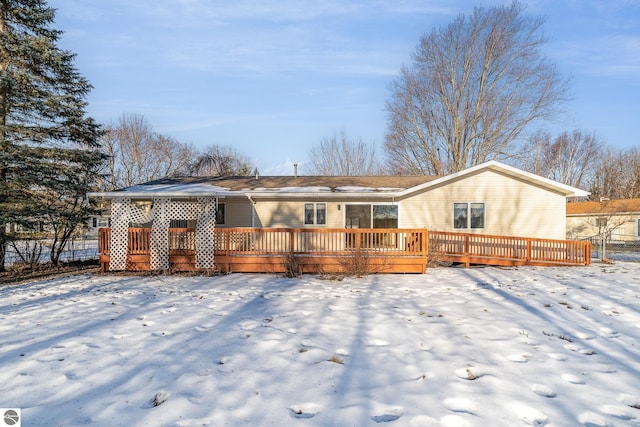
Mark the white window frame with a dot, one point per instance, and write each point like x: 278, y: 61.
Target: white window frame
x: 371, y: 205
x: 316, y: 211
x: 468, y: 216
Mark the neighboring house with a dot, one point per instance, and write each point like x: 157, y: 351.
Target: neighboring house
x: 617, y: 219
x: 101, y: 220
x: 489, y: 199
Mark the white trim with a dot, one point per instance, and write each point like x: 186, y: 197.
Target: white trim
x: 566, y: 190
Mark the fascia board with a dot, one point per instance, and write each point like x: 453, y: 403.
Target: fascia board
x: 566, y: 190
x: 151, y: 194
x: 327, y: 195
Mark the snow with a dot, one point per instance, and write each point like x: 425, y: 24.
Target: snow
x: 455, y: 347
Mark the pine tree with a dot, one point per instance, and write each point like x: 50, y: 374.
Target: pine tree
x: 48, y: 147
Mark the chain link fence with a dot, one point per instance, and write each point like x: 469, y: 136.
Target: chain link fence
x: 618, y: 245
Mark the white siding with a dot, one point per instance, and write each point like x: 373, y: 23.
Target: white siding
x: 277, y: 213
x: 513, y: 207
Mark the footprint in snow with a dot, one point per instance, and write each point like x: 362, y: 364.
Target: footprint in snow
x: 591, y: 419
x: 376, y: 343
x: 389, y: 415
x: 531, y: 416
x: 249, y: 325
x: 542, y: 390
x: 609, y: 333
x: 558, y: 356
x: 304, y: 410
x: 631, y: 401
x: 470, y: 373
x: 584, y: 335
x: 621, y: 412
x: 519, y: 358
x: 573, y: 379
x: 460, y: 404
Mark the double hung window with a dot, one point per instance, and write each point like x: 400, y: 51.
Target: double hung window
x: 315, y: 214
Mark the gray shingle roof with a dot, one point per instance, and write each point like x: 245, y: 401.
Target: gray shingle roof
x: 243, y: 183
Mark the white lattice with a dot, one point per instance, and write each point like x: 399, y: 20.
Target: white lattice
x: 124, y: 212
x: 205, y: 237
x: 159, y: 247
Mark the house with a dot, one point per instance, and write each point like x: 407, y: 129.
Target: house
x: 488, y: 199
x: 618, y: 220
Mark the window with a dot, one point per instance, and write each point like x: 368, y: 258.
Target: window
x: 178, y: 223
x: 100, y: 222
x: 221, y: 214
x: 385, y: 216
x: 468, y: 215
x: 315, y: 213
x: 460, y: 215
x: 192, y: 223
x: 371, y: 216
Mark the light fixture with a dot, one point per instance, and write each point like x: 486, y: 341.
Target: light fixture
x: 144, y: 205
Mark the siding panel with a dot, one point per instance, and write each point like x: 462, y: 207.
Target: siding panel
x: 512, y: 207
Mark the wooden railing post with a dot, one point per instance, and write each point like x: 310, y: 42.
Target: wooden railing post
x: 291, y: 242
x: 528, y: 250
x: 467, y: 262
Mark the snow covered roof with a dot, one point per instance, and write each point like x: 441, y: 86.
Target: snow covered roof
x: 270, y: 186
x: 328, y: 186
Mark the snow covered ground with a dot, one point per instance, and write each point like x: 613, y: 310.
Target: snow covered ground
x: 454, y: 347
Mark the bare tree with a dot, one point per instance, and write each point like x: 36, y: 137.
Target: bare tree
x: 137, y: 154
x: 222, y: 160
x: 471, y: 90
x: 616, y: 175
x: 341, y: 155
x: 569, y: 158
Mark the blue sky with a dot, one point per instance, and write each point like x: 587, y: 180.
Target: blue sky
x: 272, y: 78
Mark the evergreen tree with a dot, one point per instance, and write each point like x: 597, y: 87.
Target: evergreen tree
x: 48, y: 147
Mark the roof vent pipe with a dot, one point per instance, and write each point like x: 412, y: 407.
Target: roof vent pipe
x: 295, y: 170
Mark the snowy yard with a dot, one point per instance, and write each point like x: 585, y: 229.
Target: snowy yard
x: 454, y: 347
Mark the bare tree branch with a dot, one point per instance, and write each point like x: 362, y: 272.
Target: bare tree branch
x: 472, y: 89
x: 137, y: 154
x: 222, y: 160
x: 339, y: 155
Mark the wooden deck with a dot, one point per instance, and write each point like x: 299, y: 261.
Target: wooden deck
x: 343, y: 250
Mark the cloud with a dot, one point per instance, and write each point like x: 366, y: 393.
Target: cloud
x: 609, y: 56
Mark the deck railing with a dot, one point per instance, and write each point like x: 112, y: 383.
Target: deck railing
x: 386, y: 244
x: 280, y: 241
x: 504, y: 250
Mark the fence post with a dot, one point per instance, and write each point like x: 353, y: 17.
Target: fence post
x: 528, y: 251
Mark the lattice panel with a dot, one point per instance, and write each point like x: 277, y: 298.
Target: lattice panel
x: 123, y: 212
x: 185, y: 210
x: 119, y: 234
x: 159, y: 257
x: 205, y: 237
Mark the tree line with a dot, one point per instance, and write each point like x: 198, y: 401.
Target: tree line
x: 474, y: 90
